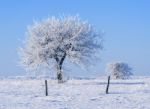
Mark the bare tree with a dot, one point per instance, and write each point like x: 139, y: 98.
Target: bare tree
x: 119, y: 70
x: 51, y: 41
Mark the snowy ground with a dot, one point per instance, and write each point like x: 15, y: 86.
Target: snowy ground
x: 75, y: 94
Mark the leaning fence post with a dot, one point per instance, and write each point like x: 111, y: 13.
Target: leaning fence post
x: 107, y: 88
x: 46, y: 88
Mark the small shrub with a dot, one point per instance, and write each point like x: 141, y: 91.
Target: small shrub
x: 119, y: 70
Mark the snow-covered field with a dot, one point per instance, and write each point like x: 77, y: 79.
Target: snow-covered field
x: 75, y: 94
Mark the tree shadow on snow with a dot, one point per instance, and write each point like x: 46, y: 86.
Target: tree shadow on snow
x: 115, y: 83
x: 121, y: 93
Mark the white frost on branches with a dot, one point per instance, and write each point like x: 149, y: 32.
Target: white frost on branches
x: 119, y: 70
x: 50, y: 41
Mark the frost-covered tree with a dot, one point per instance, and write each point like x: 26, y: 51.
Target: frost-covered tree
x: 119, y: 70
x: 51, y: 41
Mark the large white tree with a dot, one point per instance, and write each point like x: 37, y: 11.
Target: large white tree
x: 51, y: 41
x: 119, y: 70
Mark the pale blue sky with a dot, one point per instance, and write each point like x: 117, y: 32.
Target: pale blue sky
x: 126, y: 24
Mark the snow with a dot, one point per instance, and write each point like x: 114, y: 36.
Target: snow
x: 27, y: 93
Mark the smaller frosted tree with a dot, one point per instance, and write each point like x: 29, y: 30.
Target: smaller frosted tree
x: 119, y: 70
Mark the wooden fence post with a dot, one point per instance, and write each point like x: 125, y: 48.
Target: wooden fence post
x: 107, y: 88
x: 46, y: 88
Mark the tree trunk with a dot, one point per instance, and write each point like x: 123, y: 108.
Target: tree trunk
x: 59, y: 74
x: 59, y: 67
